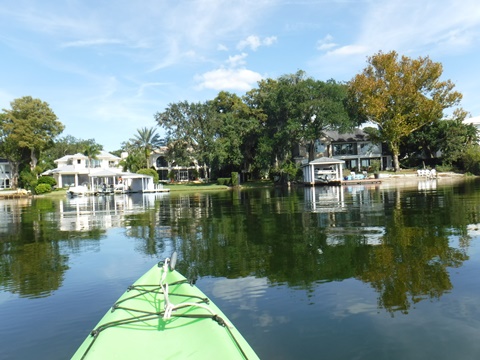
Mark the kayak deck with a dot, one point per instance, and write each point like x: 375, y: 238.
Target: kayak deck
x: 163, y: 316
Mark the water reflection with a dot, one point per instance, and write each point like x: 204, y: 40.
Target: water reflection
x: 37, y: 236
x: 397, y: 241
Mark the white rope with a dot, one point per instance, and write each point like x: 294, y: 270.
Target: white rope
x: 170, y: 307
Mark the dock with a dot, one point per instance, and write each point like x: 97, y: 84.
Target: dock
x: 15, y: 194
x: 361, y: 181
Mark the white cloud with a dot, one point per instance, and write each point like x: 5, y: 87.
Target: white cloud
x: 429, y: 25
x: 92, y: 42
x: 222, y: 47
x: 349, y: 50
x: 326, y: 43
x: 237, y: 60
x: 254, y: 42
x: 228, y: 79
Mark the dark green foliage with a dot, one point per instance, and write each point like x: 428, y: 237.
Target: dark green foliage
x: 149, y: 172
x: 470, y: 159
x: 47, y: 180
x: 43, y: 188
x: 224, y: 181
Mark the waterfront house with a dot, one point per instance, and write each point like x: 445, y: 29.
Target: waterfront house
x: 5, y: 175
x: 158, y: 160
x: 354, y: 148
x: 78, y: 169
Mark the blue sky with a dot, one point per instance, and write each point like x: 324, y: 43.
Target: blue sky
x: 106, y: 67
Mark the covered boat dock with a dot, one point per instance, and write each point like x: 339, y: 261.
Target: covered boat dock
x: 323, y: 171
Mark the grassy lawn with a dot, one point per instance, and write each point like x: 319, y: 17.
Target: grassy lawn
x: 195, y: 187
x: 214, y: 186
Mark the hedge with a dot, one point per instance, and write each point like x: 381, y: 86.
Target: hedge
x: 43, y: 189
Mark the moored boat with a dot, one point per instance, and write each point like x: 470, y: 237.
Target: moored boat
x: 163, y: 316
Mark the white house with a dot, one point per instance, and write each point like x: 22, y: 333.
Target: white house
x: 5, y: 175
x: 74, y: 170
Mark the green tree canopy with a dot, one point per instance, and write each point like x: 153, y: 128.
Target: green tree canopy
x: 239, y: 126
x: 146, y: 140
x: 31, y: 124
x: 191, y: 129
x: 400, y: 96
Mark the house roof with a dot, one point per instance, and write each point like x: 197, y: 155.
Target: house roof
x: 135, y: 176
x: 101, y: 155
x: 106, y: 154
x: 106, y: 173
x: 324, y: 161
x: 356, y: 135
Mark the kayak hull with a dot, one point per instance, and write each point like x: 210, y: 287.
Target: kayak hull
x: 136, y: 326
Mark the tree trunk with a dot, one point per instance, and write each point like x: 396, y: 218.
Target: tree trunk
x: 33, y: 158
x: 396, y: 164
x: 311, y: 151
x: 14, y: 171
x: 205, y: 170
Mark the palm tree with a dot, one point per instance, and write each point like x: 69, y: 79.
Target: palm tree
x: 91, y: 151
x: 147, y: 140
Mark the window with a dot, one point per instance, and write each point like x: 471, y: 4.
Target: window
x: 161, y: 162
x: 369, y: 149
x: 344, y: 149
x: 183, y: 175
x: 320, y: 147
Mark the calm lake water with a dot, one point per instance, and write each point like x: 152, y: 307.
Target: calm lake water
x: 360, y: 272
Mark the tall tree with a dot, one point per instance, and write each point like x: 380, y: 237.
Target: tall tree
x: 147, y: 140
x: 400, y: 96
x: 10, y: 151
x: 298, y: 110
x: 192, y: 127
x: 31, y: 124
x: 238, y: 131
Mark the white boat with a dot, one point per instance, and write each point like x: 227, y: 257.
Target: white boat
x: 79, y: 190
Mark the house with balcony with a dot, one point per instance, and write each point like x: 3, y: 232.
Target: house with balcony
x: 158, y: 160
x: 5, y: 175
x: 336, y: 151
x: 78, y: 169
x: 354, y: 149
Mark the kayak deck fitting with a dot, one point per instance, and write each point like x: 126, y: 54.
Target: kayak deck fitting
x: 163, y: 316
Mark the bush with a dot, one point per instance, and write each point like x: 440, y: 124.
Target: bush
x: 471, y: 159
x: 47, y: 180
x: 150, y: 172
x: 224, y: 181
x: 235, y: 179
x: 43, y: 189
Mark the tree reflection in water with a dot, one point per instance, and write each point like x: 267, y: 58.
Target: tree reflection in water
x: 397, y: 241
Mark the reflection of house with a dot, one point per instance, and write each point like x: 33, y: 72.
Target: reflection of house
x: 5, y: 175
x: 354, y: 148
x: 159, y: 161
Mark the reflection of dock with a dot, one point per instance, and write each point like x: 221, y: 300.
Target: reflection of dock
x: 324, y: 198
